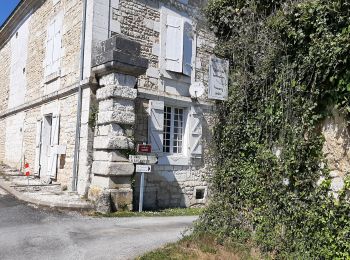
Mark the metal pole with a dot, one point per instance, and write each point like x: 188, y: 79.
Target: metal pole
x: 142, y: 186
x: 80, y: 97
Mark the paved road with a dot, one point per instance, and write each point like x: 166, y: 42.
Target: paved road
x: 29, y: 233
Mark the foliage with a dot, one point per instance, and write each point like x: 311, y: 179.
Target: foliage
x: 290, y: 68
x: 202, y: 246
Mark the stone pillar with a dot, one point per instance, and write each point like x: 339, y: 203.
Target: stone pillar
x: 117, y: 68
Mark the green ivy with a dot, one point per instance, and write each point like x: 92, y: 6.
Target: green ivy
x: 290, y: 68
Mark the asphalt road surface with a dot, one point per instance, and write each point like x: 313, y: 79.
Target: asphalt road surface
x: 31, y: 233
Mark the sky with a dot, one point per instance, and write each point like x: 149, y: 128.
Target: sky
x: 6, y: 7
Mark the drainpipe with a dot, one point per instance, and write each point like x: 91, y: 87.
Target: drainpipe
x: 80, y: 92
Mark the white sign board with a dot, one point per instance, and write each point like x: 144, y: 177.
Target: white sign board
x: 218, y: 78
x: 143, y: 168
x: 147, y: 159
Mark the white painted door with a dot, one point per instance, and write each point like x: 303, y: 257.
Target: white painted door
x: 45, y: 147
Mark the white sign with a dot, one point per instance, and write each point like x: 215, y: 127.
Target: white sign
x: 143, y: 168
x: 218, y: 78
x: 147, y: 159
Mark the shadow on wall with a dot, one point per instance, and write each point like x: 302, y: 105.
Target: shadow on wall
x: 170, y: 189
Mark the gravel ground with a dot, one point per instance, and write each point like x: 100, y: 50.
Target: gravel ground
x: 32, y: 233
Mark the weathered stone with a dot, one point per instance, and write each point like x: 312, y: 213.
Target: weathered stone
x: 116, y: 104
x: 121, y: 62
x: 101, y: 198
x: 113, y: 142
x: 100, y: 182
x: 112, y: 168
x: 118, y: 117
x: 122, y: 199
x: 109, y: 156
x: 118, y: 79
x: 110, y: 129
x: 121, y: 43
x: 116, y: 91
x: 337, y: 184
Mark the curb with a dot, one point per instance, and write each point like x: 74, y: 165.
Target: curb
x: 56, y: 205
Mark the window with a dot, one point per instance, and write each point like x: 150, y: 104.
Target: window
x: 173, y: 130
x: 53, y: 45
x: 175, y: 133
x: 177, y: 43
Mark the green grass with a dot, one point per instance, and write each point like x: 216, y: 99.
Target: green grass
x: 161, y: 213
x: 203, y: 246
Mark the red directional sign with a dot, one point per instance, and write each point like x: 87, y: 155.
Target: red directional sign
x: 144, y: 148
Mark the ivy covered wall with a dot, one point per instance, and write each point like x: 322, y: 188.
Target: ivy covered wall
x: 283, y: 134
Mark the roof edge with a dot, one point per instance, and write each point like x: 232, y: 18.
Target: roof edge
x: 14, y: 20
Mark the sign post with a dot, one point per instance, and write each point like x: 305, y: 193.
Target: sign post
x: 143, y: 166
x: 142, y: 186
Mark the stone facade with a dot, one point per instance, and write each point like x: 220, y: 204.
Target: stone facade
x: 117, y: 88
x: 337, y: 149
x: 42, y: 95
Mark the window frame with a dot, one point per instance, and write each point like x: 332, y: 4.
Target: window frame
x: 172, y: 133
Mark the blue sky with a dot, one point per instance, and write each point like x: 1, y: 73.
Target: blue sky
x: 6, y: 7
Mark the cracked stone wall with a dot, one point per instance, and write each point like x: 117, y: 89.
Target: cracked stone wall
x: 336, y: 148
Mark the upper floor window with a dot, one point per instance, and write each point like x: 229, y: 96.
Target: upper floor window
x: 53, y: 45
x: 177, y: 43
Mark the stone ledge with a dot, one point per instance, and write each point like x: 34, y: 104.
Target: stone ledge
x: 57, y: 205
x: 115, y: 61
x: 112, y: 168
x: 122, y: 43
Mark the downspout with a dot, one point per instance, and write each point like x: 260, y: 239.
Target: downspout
x: 80, y: 97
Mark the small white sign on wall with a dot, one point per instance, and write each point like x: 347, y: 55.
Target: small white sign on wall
x: 218, y: 78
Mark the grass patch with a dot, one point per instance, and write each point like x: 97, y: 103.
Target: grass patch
x: 198, y: 247
x: 160, y: 213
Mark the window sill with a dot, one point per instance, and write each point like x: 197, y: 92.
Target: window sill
x: 52, y: 77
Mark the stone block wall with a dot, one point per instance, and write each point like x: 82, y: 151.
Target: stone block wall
x: 336, y: 148
x: 140, y: 20
x: 41, y: 95
x: 171, y: 185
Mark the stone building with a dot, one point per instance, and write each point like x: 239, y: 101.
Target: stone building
x: 82, y: 82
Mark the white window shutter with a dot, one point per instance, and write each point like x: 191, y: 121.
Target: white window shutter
x: 57, y: 43
x: 49, y: 48
x: 174, y: 44
x: 156, y: 125
x: 188, y: 49
x: 218, y: 79
x: 37, y: 148
x: 195, y: 140
x: 52, y: 169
